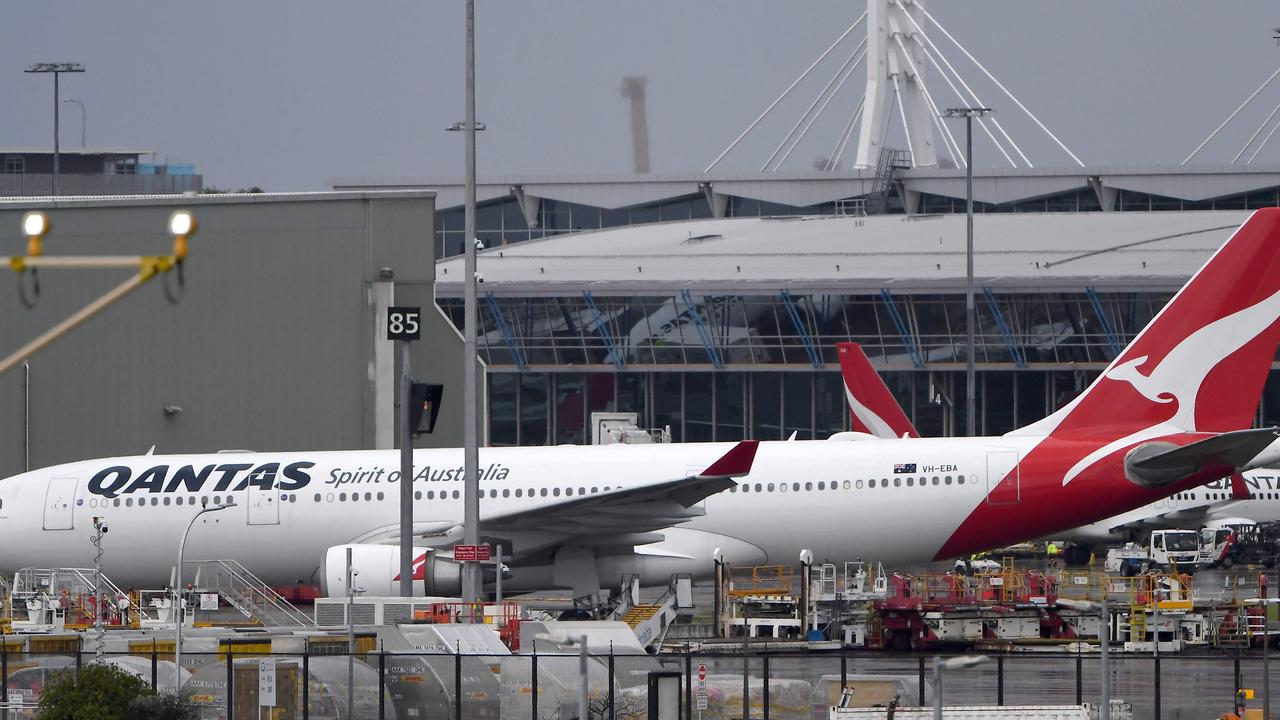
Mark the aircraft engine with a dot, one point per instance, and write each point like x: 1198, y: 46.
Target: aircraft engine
x: 377, y: 570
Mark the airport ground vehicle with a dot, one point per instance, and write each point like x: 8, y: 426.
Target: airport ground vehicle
x: 1167, y: 550
x: 1241, y: 543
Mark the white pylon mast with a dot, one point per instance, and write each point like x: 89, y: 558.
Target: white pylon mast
x: 888, y: 61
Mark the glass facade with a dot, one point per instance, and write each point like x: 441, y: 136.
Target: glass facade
x: 725, y: 367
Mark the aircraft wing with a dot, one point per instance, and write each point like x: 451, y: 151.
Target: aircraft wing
x: 1175, y: 518
x: 620, y: 517
x: 640, y: 509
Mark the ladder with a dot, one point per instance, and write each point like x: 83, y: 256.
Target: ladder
x: 886, y: 167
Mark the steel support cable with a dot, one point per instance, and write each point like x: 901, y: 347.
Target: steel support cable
x: 1000, y: 85
x: 1255, y: 134
x: 821, y: 108
x: 785, y: 93
x: 1231, y: 117
x: 982, y: 122
x: 843, y: 141
x: 953, y: 148
x: 847, y: 65
x: 1265, y: 140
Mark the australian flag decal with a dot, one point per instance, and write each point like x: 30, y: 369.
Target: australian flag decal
x: 902, y: 468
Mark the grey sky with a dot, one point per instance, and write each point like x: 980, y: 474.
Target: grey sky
x: 288, y: 93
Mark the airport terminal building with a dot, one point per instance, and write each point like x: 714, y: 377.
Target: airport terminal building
x: 712, y: 303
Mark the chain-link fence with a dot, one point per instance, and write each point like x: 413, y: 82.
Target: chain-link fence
x: 242, y: 683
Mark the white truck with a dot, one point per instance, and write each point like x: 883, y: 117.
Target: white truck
x: 1167, y: 550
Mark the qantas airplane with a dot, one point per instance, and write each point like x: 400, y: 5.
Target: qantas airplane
x: 1171, y: 413
x: 1253, y: 498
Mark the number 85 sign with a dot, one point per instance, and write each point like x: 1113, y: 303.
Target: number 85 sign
x: 404, y: 323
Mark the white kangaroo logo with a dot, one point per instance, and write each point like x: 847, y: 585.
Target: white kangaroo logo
x: 876, y: 425
x: 1179, y: 375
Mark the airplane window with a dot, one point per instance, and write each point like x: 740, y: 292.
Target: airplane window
x: 822, y: 486
x: 293, y: 497
x: 342, y: 497
x: 116, y: 502
x: 959, y: 479
x: 847, y: 484
x: 594, y: 490
x: 455, y: 494
x: 166, y: 502
x: 368, y: 496
x: 758, y: 487
x: 355, y: 497
x: 431, y: 495
x: 770, y: 487
x: 543, y: 492
x: 128, y: 502
x: 555, y: 492
x: 519, y: 492
x: 782, y: 487
x: 858, y: 484
x: 946, y: 480
x: 417, y: 495
x: 795, y: 487
x: 379, y: 497
x: 936, y: 479
x: 155, y: 502
x: 897, y: 482
x: 506, y: 492
x: 230, y: 499
x: 808, y: 486
x: 909, y: 481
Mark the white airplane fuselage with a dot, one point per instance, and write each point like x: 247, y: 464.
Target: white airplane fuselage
x: 897, y: 501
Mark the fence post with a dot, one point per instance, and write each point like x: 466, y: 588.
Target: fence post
x: 533, y: 680
x: 999, y: 680
x: 688, y: 683
x: 1079, y: 679
x: 231, y: 685
x: 1238, y: 681
x: 920, y: 678
x: 457, y: 684
x: 746, y: 683
x: 4, y: 674
x: 306, y: 682
x: 610, y: 716
x: 765, y: 689
x: 155, y: 666
x: 382, y: 684
x: 844, y: 667
x: 1156, y: 684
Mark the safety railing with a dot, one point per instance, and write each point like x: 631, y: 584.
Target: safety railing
x: 247, y: 593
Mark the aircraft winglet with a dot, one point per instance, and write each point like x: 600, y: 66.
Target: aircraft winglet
x: 734, y: 463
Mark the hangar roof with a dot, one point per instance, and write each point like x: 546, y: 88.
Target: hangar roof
x: 1014, y: 252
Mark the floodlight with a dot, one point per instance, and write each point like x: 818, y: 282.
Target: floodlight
x: 35, y: 224
x: 182, y: 223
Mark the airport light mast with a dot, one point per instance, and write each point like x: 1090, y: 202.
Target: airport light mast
x: 57, y: 69
x: 970, y: 375
x: 471, y: 454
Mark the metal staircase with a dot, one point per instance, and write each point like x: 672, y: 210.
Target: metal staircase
x: 246, y: 593
x: 71, y: 588
x: 886, y: 168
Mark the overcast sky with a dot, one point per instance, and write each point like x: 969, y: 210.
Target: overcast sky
x: 287, y: 94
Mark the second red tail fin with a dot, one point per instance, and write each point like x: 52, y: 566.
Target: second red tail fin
x: 872, y: 406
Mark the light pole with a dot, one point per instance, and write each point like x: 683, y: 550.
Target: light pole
x: 970, y: 376
x: 1104, y: 645
x: 99, y: 529
x: 955, y: 663
x: 57, y: 69
x: 84, y: 118
x: 177, y: 593
x: 471, y: 452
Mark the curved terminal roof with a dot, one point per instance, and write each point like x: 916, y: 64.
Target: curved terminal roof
x: 1014, y: 252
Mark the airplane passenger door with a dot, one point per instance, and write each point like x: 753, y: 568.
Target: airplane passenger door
x: 1004, y: 484
x: 59, y: 503
x: 264, y: 506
